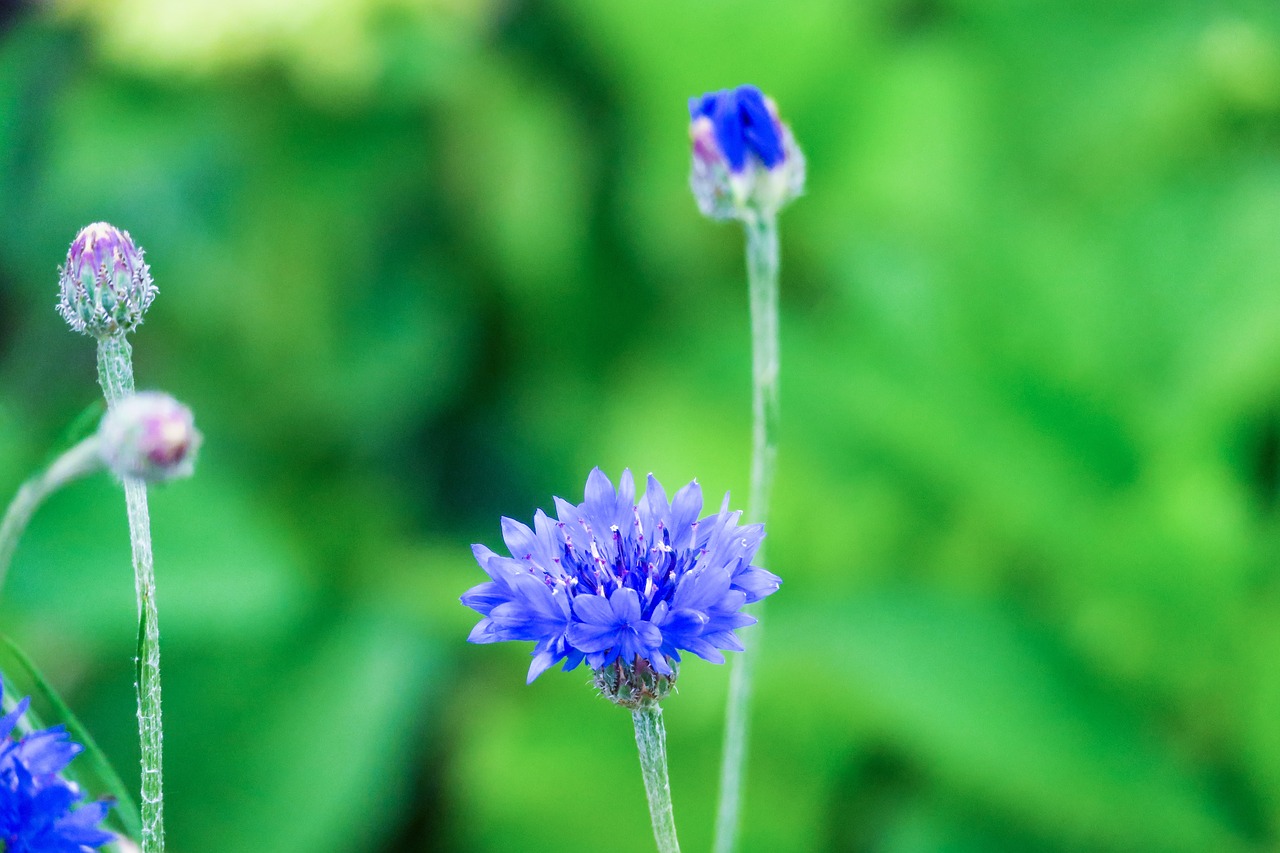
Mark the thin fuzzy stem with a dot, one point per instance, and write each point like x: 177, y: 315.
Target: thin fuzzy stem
x: 115, y: 374
x: 80, y: 460
x: 762, y: 278
x: 651, y: 739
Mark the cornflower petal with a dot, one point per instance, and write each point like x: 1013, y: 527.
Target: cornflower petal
x: 47, y: 751
x: 9, y: 720
x: 600, y: 501
x: 592, y: 636
x: 519, y: 539
x: 756, y: 582
x: 593, y: 609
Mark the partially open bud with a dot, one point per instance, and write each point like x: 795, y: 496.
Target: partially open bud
x: 106, y: 285
x: 745, y: 160
x: 149, y: 436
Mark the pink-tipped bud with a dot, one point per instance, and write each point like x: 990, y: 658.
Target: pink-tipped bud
x: 149, y: 436
x: 105, y: 284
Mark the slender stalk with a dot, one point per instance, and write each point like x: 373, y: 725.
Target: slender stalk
x: 651, y: 739
x: 115, y: 374
x: 80, y: 460
x: 762, y: 279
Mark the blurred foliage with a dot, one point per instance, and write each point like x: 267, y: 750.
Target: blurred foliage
x: 425, y: 263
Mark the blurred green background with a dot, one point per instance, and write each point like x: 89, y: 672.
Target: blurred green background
x: 423, y: 263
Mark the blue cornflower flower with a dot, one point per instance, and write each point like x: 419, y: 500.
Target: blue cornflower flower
x: 625, y: 585
x: 41, y: 812
x: 745, y: 160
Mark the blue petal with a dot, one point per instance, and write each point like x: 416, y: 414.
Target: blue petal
x: 684, y: 512
x: 649, y: 636
x: 47, y: 752
x: 703, y: 106
x: 626, y: 500
x: 724, y: 640
x: 756, y: 582
x: 519, y: 538
x: 593, y: 637
x: 572, y: 659
x: 548, y: 537
x: 9, y: 720
x: 500, y: 568
x: 682, y: 625
x: 654, y: 508
x: 599, y: 499
x: 727, y: 620
x: 760, y: 132
x: 705, y: 650
x: 485, y: 631
x: 80, y: 827
x: 727, y: 119
x: 484, y: 597
x: 542, y: 661
x: 593, y: 609
x: 701, y: 589
x: 625, y: 603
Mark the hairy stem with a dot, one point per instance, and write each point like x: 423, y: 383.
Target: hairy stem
x: 651, y: 739
x: 762, y: 279
x: 80, y: 460
x: 115, y: 374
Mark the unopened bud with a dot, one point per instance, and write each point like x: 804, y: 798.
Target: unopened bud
x: 149, y: 436
x: 745, y: 161
x: 106, y: 285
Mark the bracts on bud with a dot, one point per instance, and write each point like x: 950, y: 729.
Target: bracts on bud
x: 105, y: 284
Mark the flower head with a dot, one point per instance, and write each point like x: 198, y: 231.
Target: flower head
x: 105, y: 284
x: 624, y: 584
x: 41, y: 812
x: 745, y: 160
x: 150, y: 436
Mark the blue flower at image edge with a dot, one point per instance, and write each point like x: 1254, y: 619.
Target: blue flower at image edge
x: 40, y: 812
x: 743, y: 123
x: 616, y: 580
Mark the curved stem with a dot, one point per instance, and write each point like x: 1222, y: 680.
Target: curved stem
x: 115, y: 374
x: 80, y: 460
x: 762, y: 279
x: 651, y: 739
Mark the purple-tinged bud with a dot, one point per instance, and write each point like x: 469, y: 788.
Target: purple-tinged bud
x: 106, y: 285
x: 149, y: 436
x: 745, y: 161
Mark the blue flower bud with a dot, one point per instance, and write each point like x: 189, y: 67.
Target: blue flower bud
x: 745, y: 160
x: 106, y: 285
x: 149, y: 436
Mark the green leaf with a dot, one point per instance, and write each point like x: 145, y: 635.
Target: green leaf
x: 995, y: 710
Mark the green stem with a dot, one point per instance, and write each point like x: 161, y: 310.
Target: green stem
x: 651, y: 739
x: 762, y: 279
x: 80, y: 460
x: 115, y: 374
